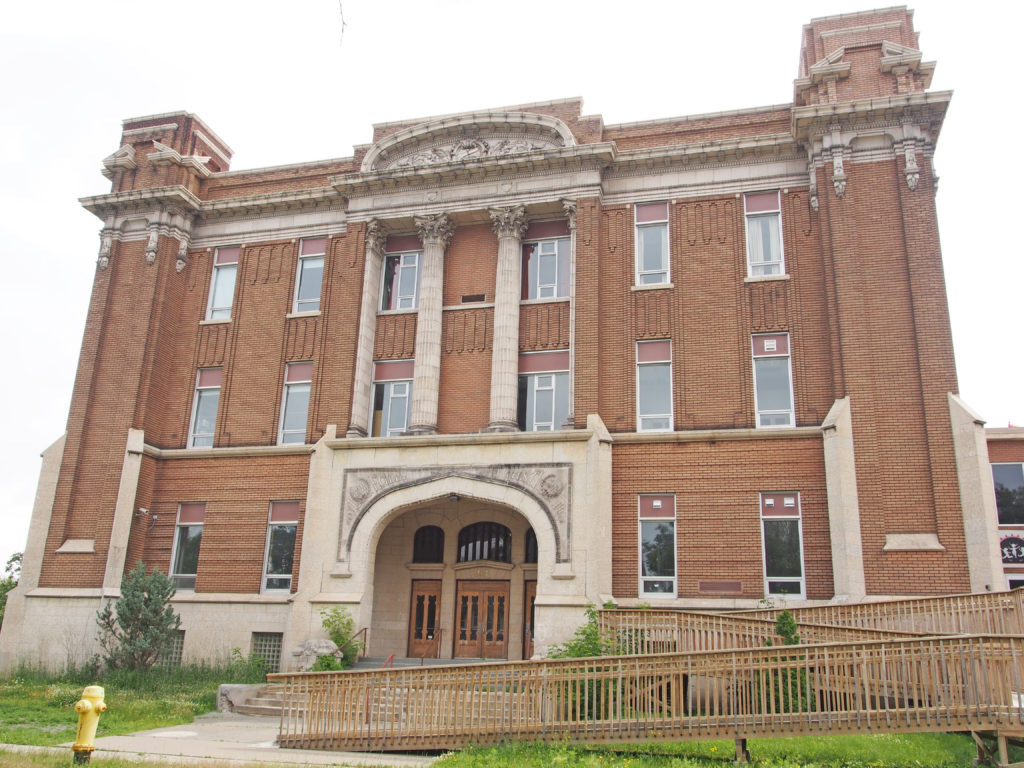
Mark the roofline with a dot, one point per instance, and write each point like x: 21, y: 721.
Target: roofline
x: 701, y: 116
x: 858, y: 14
x: 181, y: 113
x: 511, y: 108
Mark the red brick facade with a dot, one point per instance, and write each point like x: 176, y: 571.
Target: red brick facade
x: 860, y: 302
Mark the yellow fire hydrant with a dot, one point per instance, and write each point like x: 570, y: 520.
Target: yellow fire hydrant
x: 89, y: 709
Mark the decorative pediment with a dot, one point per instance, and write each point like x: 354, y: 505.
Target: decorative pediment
x: 896, y: 55
x: 165, y: 155
x: 122, y: 160
x: 466, y: 139
x: 830, y: 66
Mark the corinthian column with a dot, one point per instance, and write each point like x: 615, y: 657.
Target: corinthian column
x: 435, y: 232
x: 362, y: 380
x: 509, y: 226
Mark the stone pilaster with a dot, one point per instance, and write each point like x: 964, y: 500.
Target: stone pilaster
x: 363, y: 379
x: 509, y: 226
x: 436, y: 232
x: 569, y: 206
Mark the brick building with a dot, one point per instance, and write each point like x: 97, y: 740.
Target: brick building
x: 499, y: 365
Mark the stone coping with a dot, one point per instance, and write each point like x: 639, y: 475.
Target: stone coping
x: 446, y: 440
x: 716, y: 435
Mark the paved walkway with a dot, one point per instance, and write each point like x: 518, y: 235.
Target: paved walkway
x: 230, y: 739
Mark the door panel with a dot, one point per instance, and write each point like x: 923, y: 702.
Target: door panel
x: 529, y: 596
x: 424, y: 619
x: 481, y: 620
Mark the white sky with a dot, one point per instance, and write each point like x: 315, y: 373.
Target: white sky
x: 278, y: 83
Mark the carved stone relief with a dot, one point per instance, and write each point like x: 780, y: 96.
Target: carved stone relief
x: 549, y: 485
x: 912, y: 172
x: 467, y: 149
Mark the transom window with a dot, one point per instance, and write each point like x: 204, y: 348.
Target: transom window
x: 651, y: 243
x: 485, y: 541
x: 428, y: 545
x: 764, y: 234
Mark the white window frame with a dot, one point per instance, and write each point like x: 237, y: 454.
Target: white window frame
x: 641, y: 519
x: 796, y: 515
x: 412, y: 301
x: 559, y: 291
x: 282, y: 433
x: 192, y: 434
x: 1015, y: 577
x: 222, y: 312
x: 638, y: 255
x: 266, y: 550
x: 777, y: 213
x: 789, y: 366
x: 303, y: 258
x: 388, y: 385
x: 671, y: 395
x: 555, y: 391
x: 178, y: 525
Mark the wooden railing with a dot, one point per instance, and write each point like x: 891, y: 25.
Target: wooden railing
x: 928, y: 684
x: 983, y: 613
x: 643, y: 631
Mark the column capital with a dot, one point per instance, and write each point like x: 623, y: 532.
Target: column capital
x: 437, y: 229
x: 375, y: 236
x: 509, y: 221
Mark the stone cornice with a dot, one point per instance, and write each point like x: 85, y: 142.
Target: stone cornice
x: 173, y: 197
x: 224, y: 453
x: 921, y: 108
x: 1004, y: 433
x: 578, y: 157
x: 730, y: 151
x: 476, y: 438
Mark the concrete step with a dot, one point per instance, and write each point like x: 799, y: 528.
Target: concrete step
x: 252, y: 709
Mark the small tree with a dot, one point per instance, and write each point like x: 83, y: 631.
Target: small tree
x: 12, y: 572
x: 139, y: 628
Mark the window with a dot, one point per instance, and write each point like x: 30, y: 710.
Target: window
x: 204, y: 407
x: 401, y: 280
x: 764, y: 234
x: 428, y: 545
x: 1009, y: 482
x: 295, y: 407
x: 187, y: 537
x: 543, y: 403
x: 279, y: 557
x: 310, y: 275
x: 546, y: 268
x: 530, y: 554
x: 657, y: 515
x: 773, y: 381
x: 652, y: 243
x: 485, y: 541
x: 654, y: 386
x: 392, y: 395
x: 222, y: 286
x: 783, y: 545
x: 172, y: 656
x: 267, y: 645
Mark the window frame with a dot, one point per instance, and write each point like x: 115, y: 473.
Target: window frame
x: 560, y: 291
x: 638, y: 225
x: 747, y: 217
x: 173, y: 572
x: 397, y: 298
x: 301, y: 261
x: 283, y: 433
x: 562, y: 369
x: 388, y: 384
x: 642, y: 518
x: 271, y: 524
x: 795, y: 515
x: 788, y: 355
x: 223, y: 313
x: 993, y: 465
x: 200, y: 388
x: 667, y: 362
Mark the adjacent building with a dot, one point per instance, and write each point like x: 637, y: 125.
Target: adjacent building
x: 499, y: 365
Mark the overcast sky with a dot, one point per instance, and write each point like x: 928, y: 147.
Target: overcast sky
x: 280, y: 83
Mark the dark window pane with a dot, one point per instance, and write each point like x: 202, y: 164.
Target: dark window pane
x: 186, y: 557
x: 782, y: 548
x: 658, y: 551
x: 485, y: 541
x: 281, y: 550
x: 1009, y: 482
x: 428, y: 545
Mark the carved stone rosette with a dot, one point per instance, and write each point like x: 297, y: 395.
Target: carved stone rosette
x: 509, y: 221
x: 549, y: 485
x: 437, y: 228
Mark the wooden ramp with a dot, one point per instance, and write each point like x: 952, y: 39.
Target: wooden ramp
x: 850, y: 680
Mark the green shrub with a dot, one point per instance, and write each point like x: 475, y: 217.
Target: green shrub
x: 340, y: 628
x: 327, y: 663
x: 139, y: 628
